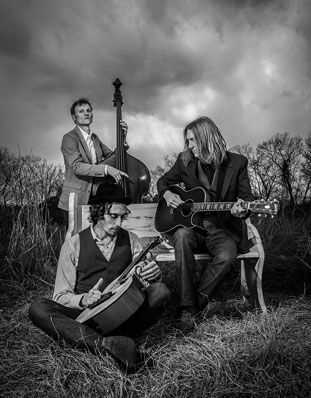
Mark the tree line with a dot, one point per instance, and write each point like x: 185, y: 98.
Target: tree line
x: 279, y: 167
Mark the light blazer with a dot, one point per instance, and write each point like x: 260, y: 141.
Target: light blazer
x: 232, y: 183
x: 80, y: 173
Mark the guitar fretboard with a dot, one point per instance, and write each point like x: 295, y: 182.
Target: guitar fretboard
x: 214, y: 206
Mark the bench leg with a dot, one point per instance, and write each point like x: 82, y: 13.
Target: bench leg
x: 251, y: 282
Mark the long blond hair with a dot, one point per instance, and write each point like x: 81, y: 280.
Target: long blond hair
x: 211, y: 144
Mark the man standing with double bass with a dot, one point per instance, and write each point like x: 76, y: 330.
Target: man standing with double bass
x: 84, y: 156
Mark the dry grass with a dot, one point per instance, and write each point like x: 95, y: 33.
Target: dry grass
x: 253, y: 356
x: 33, y: 245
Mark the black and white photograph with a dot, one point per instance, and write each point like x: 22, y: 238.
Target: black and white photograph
x: 155, y: 177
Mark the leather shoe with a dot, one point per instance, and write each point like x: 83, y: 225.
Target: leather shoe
x: 186, y: 319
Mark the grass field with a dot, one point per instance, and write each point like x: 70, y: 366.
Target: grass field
x: 231, y: 354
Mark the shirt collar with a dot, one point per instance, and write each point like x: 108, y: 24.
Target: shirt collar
x: 85, y: 134
x: 106, y: 241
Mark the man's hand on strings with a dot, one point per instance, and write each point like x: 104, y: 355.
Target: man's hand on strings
x: 172, y: 199
x: 112, y: 171
x: 124, y: 128
x: 238, y: 210
x: 116, y: 174
x: 150, y: 270
x: 93, y: 295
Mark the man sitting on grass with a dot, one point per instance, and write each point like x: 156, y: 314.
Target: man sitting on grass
x: 90, y: 261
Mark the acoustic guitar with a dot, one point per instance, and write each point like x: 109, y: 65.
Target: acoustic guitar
x: 122, y: 297
x: 167, y: 219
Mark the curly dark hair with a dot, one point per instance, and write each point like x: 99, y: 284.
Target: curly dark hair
x: 98, y: 211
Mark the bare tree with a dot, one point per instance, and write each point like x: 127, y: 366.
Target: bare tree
x: 262, y: 175
x: 282, y: 157
x: 158, y: 172
x: 27, y: 179
x: 306, y: 167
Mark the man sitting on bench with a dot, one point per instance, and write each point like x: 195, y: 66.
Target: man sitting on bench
x: 90, y: 261
x: 206, y: 163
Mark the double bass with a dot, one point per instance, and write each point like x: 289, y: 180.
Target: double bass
x: 137, y: 186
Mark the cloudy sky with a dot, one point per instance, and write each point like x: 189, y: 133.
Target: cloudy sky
x: 244, y: 63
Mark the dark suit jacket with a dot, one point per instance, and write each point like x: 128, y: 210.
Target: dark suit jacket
x: 232, y: 183
x: 80, y: 174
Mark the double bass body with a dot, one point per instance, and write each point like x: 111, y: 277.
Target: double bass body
x: 137, y: 186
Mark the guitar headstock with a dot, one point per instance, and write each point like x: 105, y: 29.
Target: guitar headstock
x: 262, y: 206
x: 155, y: 242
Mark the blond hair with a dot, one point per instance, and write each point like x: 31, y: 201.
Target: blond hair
x: 211, y: 144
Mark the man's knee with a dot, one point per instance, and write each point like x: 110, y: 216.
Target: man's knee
x: 226, y: 252
x: 184, y: 236
x: 158, y: 295
x: 226, y: 257
x: 224, y: 260
x: 38, y: 310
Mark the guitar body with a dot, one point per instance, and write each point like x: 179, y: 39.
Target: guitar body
x: 125, y: 300
x: 167, y: 220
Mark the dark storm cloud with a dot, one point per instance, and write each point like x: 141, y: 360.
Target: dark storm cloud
x: 15, y: 39
x: 238, y: 4
x: 245, y: 63
x: 77, y: 47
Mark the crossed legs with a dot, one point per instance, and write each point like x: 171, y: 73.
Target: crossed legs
x: 59, y: 322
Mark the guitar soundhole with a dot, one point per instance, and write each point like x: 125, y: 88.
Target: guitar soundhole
x: 186, y: 208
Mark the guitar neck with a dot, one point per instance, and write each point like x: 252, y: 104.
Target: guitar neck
x: 140, y: 257
x: 217, y: 206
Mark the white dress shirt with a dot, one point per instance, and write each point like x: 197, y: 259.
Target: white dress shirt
x: 90, y: 144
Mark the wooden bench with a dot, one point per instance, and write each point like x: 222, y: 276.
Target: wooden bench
x: 141, y: 221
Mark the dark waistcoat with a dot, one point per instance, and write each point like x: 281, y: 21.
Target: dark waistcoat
x: 93, y: 265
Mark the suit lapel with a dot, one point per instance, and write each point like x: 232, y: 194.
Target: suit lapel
x: 225, y: 175
x: 191, y: 170
x: 83, y: 143
x: 98, y: 151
